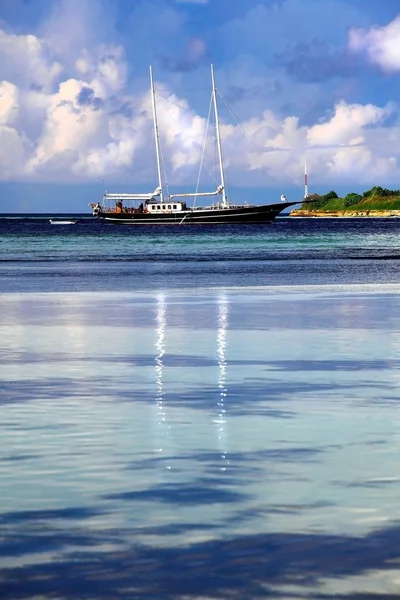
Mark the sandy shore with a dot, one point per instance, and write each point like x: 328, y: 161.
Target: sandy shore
x: 345, y: 213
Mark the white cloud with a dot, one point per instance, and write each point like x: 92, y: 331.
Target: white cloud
x: 69, y: 112
x: 352, y: 146
x: 126, y: 137
x: 88, y: 132
x: 60, y: 126
x: 104, y: 67
x: 68, y: 128
x: 381, y: 44
x: 8, y: 102
x: 80, y: 130
x: 27, y: 60
x: 13, y: 144
x: 13, y: 152
x: 346, y: 124
x: 182, y: 131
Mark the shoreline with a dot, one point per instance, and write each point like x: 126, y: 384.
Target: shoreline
x: 345, y: 213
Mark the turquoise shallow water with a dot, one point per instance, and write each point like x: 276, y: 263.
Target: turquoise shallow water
x: 199, y: 436
x: 95, y: 256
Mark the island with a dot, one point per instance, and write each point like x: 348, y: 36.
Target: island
x: 376, y: 202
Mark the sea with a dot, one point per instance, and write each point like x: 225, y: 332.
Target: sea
x: 199, y: 412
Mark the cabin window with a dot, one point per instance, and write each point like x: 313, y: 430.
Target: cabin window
x: 175, y: 207
x: 163, y: 206
x: 169, y: 207
x: 158, y: 207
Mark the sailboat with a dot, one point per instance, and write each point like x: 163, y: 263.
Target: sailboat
x: 156, y: 209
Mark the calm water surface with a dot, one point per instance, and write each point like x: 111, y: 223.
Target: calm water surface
x: 200, y: 413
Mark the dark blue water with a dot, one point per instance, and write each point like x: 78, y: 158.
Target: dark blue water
x: 94, y: 255
x: 199, y: 412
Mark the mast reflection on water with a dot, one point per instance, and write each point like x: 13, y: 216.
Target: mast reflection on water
x: 220, y: 420
x: 163, y: 427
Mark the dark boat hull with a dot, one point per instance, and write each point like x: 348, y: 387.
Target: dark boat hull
x: 236, y: 214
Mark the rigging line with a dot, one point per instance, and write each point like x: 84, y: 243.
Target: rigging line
x: 182, y: 90
x: 232, y: 110
x: 187, y: 139
x: 204, y: 149
x: 164, y: 170
x: 186, y: 110
x: 163, y: 166
x: 162, y: 163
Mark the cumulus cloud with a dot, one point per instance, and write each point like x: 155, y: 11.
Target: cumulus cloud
x: 8, y: 102
x: 105, y: 67
x: 14, y: 149
x: 28, y: 61
x: 355, y: 142
x: 277, y: 54
x: 62, y: 91
x: 13, y: 144
x: 183, y: 133
x: 73, y: 108
x: 380, y: 44
x: 344, y: 145
x: 84, y: 132
x: 346, y: 124
x: 69, y: 127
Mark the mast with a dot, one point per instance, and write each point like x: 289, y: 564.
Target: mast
x: 221, y: 164
x: 305, y: 179
x: 156, y: 136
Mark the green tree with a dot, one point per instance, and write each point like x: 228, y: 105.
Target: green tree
x: 331, y: 195
x: 375, y: 191
x: 352, y: 199
x: 379, y: 192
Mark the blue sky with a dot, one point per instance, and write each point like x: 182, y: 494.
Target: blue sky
x: 303, y: 78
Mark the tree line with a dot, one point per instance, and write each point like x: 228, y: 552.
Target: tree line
x: 352, y: 198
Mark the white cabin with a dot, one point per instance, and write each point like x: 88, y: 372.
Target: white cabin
x: 166, y: 207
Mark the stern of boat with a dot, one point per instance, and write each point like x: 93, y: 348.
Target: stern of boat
x: 96, y: 209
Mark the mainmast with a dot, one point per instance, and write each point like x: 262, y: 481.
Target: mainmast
x: 305, y: 180
x: 156, y: 136
x: 221, y: 164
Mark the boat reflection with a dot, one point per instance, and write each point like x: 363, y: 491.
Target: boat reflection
x: 220, y: 419
x: 164, y: 434
x: 163, y: 427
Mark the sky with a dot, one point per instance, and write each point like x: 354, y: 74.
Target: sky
x: 314, y: 80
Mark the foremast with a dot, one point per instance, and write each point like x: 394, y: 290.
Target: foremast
x: 156, y: 135
x: 218, y: 134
